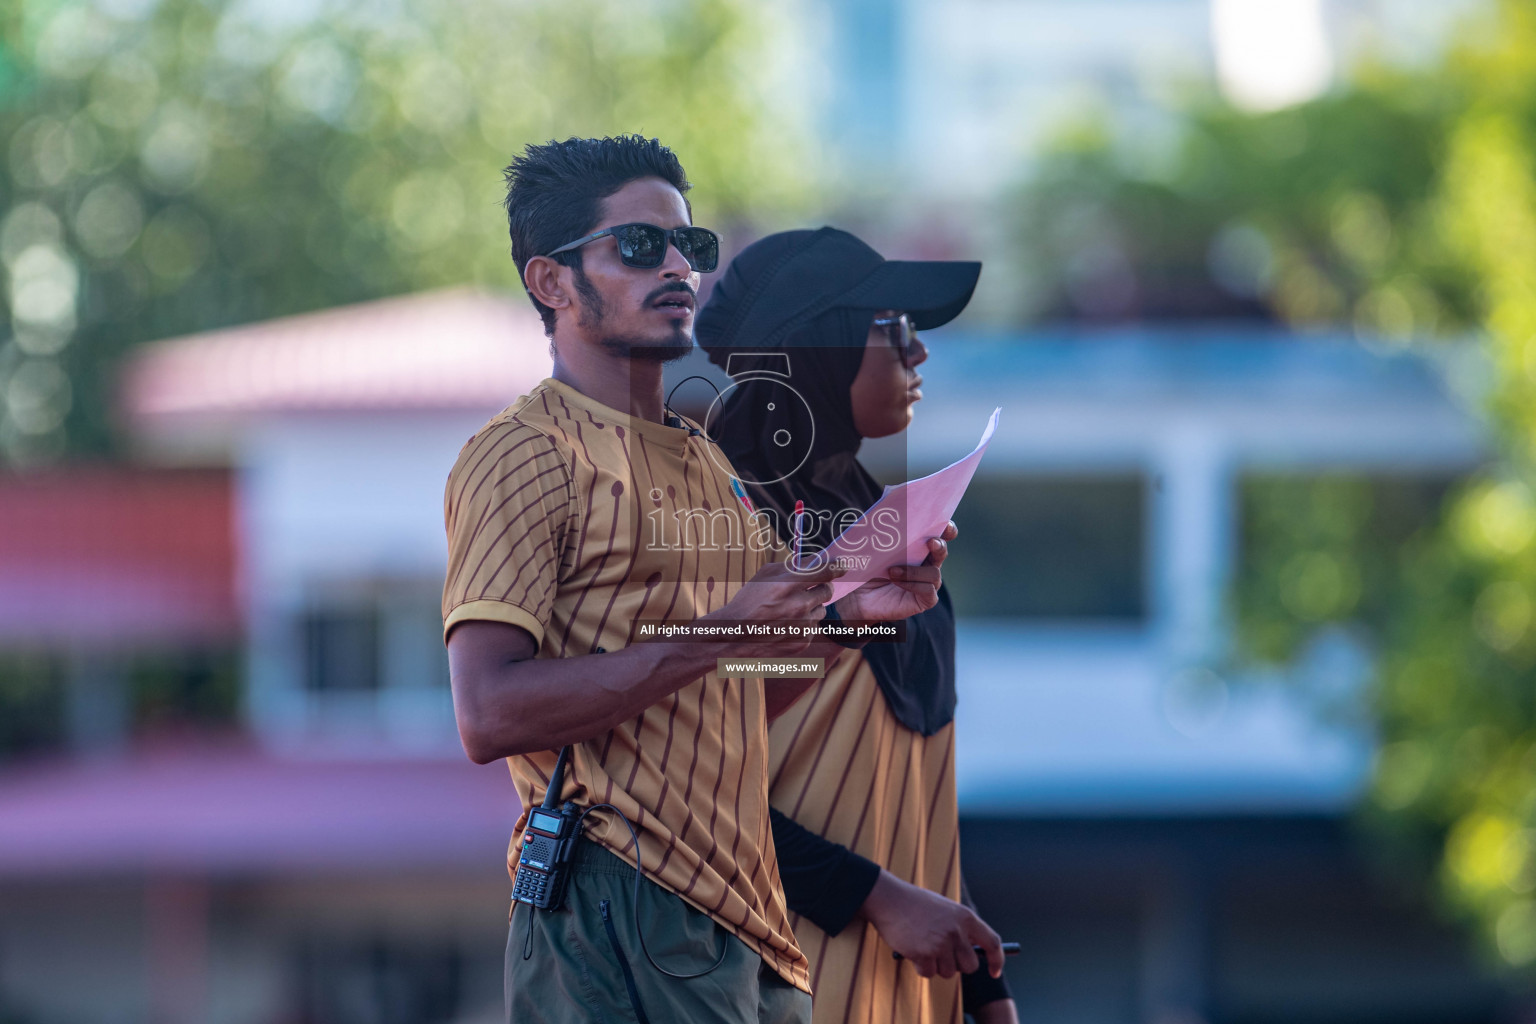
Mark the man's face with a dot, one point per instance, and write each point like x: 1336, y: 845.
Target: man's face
x: 637, y: 312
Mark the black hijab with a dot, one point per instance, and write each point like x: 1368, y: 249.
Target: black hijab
x: 917, y: 675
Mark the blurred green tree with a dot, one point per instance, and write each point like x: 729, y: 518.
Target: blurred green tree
x: 1403, y: 206
x: 177, y: 165
x: 1317, y: 214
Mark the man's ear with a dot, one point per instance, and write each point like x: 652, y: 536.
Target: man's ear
x: 541, y: 276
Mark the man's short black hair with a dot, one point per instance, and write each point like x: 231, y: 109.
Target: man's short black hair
x: 555, y: 193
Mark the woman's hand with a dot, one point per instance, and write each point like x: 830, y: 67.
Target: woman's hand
x: 934, y: 933
x: 1001, y: 1011
x: 909, y: 590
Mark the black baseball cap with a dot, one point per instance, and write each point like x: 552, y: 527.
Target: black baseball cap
x: 778, y: 284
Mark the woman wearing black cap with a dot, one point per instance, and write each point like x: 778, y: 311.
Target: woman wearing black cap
x: 819, y: 331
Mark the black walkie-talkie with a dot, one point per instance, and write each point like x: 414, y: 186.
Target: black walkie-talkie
x: 549, y: 846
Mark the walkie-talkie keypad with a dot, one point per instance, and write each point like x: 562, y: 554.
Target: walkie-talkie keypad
x: 543, y: 864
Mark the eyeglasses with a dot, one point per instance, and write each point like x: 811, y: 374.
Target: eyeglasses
x: 645, y: 245
x: 901, y: 334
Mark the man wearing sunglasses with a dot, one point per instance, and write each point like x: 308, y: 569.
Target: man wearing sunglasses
x: 552, y: 564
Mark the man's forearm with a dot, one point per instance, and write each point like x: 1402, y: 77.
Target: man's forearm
x: 546, y: 703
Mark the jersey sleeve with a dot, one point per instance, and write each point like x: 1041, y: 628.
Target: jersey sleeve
x: 824, y: 881
x: 508, y: 508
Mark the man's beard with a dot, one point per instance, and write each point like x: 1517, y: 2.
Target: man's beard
x: 594, y: 312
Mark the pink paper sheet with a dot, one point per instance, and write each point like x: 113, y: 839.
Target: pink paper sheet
x: 895, y: 529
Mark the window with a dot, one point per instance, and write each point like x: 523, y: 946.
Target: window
x: 1051, y: 547
x: 341, y: 650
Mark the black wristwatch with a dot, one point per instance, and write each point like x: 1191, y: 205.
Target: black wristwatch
x: 833, y: 616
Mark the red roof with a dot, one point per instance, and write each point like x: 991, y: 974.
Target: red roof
x: 453, y: 349
x: 238, y: 811
x: 108, y: 555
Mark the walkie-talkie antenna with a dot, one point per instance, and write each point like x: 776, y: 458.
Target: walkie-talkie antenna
x: 556, y: 779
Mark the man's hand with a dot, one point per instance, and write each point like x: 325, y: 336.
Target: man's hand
x: 776, y: 594
x: 910, y: 589
x: 935, y: 933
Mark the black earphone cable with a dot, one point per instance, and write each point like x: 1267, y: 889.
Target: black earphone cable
x: 635, y: 901
x: 552, y: 797
x: 692, y: 431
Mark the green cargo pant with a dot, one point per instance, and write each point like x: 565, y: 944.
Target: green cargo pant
x: 582, y: 963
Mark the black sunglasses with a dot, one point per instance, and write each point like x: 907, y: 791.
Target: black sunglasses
x: 901, y: 334
x: 645, y: 245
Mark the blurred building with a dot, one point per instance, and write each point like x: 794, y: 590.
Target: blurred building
x: 1165, y: 835
x: 1166, y: 828
x: 340, y: 427
x: 342, y: 861
x: 99, y: 565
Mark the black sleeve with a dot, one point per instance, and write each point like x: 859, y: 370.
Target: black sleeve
x: 823, y: 881
x: 978, y: 988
